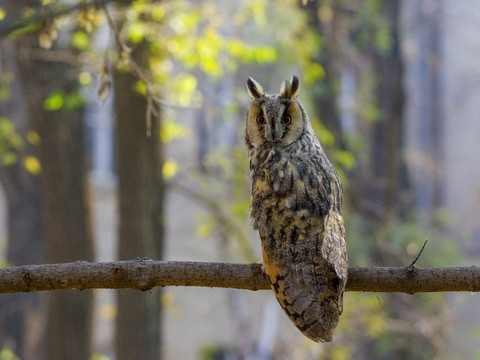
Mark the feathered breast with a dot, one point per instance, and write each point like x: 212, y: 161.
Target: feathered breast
x: 296, y: 208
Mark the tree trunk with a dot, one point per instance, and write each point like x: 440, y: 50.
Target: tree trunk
x: 326, y: 91
x: 386, y: 155
x: 141, y: 199
x: 24, y: 223
x: 66, y: 213
x: 388, y: 186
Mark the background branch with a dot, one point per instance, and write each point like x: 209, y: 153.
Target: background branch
x: 144, y: 274
x: 16, y: 21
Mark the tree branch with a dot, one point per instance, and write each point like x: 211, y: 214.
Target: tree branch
x: 144, y: 274
x: 14, y: 22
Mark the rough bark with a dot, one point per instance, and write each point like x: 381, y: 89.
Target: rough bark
x: 145, y: 274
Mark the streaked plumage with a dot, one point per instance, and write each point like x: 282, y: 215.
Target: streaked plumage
x: 296, y: 207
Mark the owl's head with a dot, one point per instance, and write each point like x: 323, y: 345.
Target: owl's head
x: 277, y: 120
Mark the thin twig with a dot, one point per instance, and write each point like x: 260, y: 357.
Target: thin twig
x: 149, y: 115
x: 51, y: 11
x: 153, y: 101
x: 420, y: 253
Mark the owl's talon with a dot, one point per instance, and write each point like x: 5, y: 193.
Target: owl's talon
x: 263, y: 266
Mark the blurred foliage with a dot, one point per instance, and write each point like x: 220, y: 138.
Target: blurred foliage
x: 10, y: 142
x: 7, y: 354
x: 96, y: 356
x: 197, y: 48
x: 6, y: 78
x: 60, y: 100
x: 193, y: 47
x: 227, y: 183
x: 12, y: 147
x: 394, y: 324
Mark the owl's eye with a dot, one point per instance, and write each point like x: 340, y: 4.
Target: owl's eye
x: 261, y: 120
x: 286, y: 119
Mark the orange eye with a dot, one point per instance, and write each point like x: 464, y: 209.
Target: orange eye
x: 286, y: 119
x: 261, y: 120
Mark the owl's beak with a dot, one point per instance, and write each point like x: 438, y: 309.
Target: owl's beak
x: 276, y: 133
x: 269, y: 131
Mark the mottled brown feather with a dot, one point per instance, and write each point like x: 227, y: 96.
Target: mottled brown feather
x: 296, y: 207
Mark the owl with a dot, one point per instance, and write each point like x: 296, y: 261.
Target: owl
x: 296, y: 208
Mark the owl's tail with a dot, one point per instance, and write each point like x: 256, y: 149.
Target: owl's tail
x: 314, y: 311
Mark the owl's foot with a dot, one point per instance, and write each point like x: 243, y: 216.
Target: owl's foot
x: 263, y: 266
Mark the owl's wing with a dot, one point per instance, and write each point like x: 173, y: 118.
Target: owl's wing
x: 334, y: 247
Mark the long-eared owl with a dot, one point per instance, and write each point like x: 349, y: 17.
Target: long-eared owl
x: 296, y: 207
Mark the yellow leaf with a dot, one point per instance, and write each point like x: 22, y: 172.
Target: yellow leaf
x: 204, y: 230
x: 80, y: 40
x: 84, y: 78
x: 325, y: 13
x: 171, y: 130
x: 108, y: 311
x: 2, y: 14
x: 375, y: 325
x: 137, y: 32
x: 33, y: 137
x: 313, y: 73
x: 158, y: 12
x: 341, y: 353
x: 167, y: 299
x: 32, y: 164
x: 170, y: 168
x: 96, y: 356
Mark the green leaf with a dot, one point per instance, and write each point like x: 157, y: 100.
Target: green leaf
x: 140, y: 87
x: 74, y: 101
x: 7, y: 354
x: 80, y: 40
x: 345, y: 158
x: 383, y: 39
x: 204, y: 230
x: 137, y: 32
x: 313, y: 73
x: 54, y: 101
x: 158, y: 12
x: 371, y: 112
x: 27, y: 29
x: 8, y: 158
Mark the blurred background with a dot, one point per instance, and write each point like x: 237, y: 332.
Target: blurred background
x: 121, y: 136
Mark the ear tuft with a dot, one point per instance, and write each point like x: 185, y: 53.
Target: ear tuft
x: 254, y: 88
x: 295, y: 86
x: 290, y: 89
